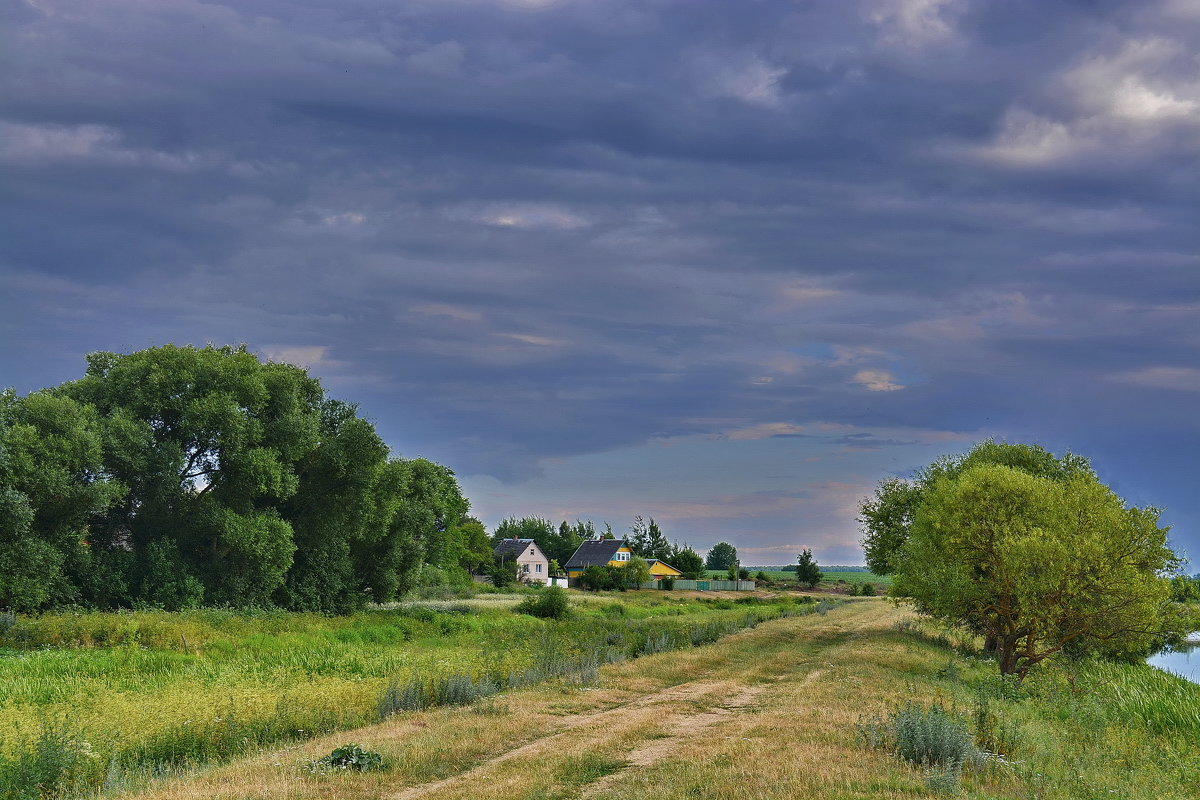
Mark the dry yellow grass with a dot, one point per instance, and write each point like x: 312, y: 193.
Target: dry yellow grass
x: 765, y: 713
x: 769, y: 714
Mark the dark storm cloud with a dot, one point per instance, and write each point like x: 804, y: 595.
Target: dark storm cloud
x: 526, y: 230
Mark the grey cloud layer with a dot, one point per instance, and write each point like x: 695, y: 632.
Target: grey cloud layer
x: 526, y: 230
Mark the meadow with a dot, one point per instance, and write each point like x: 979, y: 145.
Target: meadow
x: 777, y: 711
x: 109, y: 700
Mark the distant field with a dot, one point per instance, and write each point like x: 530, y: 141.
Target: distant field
x: 831, y: 576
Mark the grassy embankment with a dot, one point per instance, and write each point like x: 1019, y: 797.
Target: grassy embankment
x: 108, y: 699
x: 768, y: 713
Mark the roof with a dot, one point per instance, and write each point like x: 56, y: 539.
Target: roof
x: 511, y: 548
x: 595, y: 551
x: 656, y: 561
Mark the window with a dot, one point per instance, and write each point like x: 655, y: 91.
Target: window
x: 539, y: 568
x: 621, y: 557
x: 524, y: 568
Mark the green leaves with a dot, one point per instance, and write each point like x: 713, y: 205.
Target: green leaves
x: 1040, y: 564
x: 177, y: 475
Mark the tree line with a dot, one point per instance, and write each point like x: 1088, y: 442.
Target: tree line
x: 181, y: 476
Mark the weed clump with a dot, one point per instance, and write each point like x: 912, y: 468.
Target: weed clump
x: 348, y: 758
x: 934, y: 739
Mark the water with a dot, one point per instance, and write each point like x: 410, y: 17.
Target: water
x: 1184, y: 663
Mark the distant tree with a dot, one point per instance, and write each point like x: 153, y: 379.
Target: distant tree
x: 637, y: 571
x: 807, y: 572
x: 1185, y: 589
x: 638, y: 539
x: 555, y: 569
x: 762, y: 577
x: 656, y: 545
x: 608, y: 532
x: 721, y: 556
x: 689, y: 563
x: 598, y: 577
x: 743, y: 574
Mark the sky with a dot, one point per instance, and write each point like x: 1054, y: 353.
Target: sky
x: 723, y: 264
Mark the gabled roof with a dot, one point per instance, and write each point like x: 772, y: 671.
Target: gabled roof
x: 511, y: 548
x: 651, y: 562
x: 595, y: 551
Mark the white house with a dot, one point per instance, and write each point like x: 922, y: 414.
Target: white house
x: 532, y: 564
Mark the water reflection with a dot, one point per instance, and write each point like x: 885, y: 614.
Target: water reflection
x: 1184, y: 663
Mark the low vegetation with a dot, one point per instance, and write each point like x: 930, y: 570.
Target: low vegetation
x: 776, y: 712
x: 106, y: 699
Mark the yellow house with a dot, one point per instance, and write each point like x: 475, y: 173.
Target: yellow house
x: 598, y: 552
x: 661, y: 569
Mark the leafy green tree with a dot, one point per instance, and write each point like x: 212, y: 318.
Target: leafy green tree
x: 807, y: 572
x: 331, y: 512
x: 887, y: 517
x: 1185, y: 589
x: 476, y: 546
x: 52, y: 486
x: 721, y: 556
x: 688, y: 562
x: 207, y: 440
x: 637, y: 571
x: 1039, y: 564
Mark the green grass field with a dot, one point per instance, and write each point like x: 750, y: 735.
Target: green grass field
x: 146, y: 691
x: 788, y: 709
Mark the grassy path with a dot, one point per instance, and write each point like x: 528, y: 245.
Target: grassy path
x: 765, y: 713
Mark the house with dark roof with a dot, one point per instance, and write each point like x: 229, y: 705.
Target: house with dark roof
x: 598, y: 552
x: 532, y: 564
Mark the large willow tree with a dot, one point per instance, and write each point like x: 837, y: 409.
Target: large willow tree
x: 182, y: 476
x: 1034, y: 553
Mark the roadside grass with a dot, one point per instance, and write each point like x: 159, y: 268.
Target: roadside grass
x: 1087, y: 731
x: 177, y: 691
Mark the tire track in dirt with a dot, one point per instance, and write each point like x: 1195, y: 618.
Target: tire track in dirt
x: 687, y: 727
x: 674, y: 694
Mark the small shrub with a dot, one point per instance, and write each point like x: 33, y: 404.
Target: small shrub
x: 348, y: 757
x: 668, y: 583
x: 933, y: 739
x: 548, y: 603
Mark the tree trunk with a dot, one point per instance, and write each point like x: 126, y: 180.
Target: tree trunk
x: 990, y: 643
x: 1006, y: 647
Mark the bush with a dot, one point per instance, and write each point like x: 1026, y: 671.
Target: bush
x: 548, y: 603
x: 867, y: 590
x: 350, y: 757
x: 934, y: 739
x: 668, y: 583
x: 504, y: 574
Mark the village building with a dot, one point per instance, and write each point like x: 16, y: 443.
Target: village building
x: 532, y: 564
x: 661, y: 569
x: 598, y: 552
